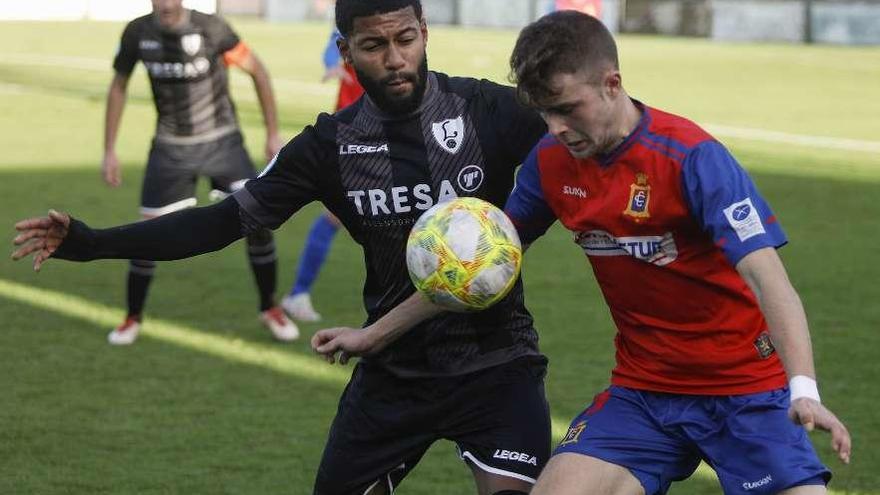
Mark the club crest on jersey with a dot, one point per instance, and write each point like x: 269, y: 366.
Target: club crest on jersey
x: 639, y: 198
x: 470, y: 178
x: 764, y: 345
x: 574, y: 433
x: 191, y: 43
x: 449, y: 134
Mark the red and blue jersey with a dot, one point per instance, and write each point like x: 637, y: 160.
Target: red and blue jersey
x: 664, y: 219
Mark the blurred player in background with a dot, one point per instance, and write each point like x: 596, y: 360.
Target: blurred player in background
x: 714, y: 360
x: 186, y: 54
x: 298, y: 303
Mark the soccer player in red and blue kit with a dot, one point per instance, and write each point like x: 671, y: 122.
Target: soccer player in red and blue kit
x: 714, y: 360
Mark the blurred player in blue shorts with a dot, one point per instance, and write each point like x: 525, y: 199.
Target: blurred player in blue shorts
x: 298, y: 303
x: 714, y: 360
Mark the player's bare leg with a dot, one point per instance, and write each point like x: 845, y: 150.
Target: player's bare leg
x: 489, y: 483
x: 576, y: 474
x: 805, y: 490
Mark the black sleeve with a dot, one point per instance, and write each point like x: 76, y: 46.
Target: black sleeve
x: 222, y: 34
x: 289, y: 182
x: 519, y: 128
x: 127, y: 53
x: 174, y: 236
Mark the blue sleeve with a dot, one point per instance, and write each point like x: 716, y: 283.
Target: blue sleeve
x: 331, y: 52
x: 726, y: 203
x: 526, y: 206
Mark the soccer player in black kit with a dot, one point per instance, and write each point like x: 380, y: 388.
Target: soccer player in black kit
x: 186, y: 54
x: 416, y: 138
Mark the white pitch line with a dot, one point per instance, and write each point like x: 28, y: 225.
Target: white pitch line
x: 308, y: 88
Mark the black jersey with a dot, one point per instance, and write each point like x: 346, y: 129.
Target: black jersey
x: 378, y: 174
x: 187, y: 74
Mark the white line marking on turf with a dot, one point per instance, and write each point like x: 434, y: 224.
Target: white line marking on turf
x: 106, y: 317
x: 796, y: 139
x: 302, y: 88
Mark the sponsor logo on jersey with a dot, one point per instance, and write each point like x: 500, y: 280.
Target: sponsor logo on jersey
x: 470, y: 178
x: 659, y: 250
x: 515, y: 456
x: 751, y: 485
x: 574, y: 191
x: 764, y: 345
x: 191, y: 43
x: 744, y: 219
x: 149, y: 45
x: 639, y: 198
x: 178, y: 70
x: 574, y: 433
x: 449, y: 134
x: 362, y: 149
x: 402, y: 199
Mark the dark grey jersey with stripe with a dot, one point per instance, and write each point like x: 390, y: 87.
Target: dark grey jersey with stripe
x: 378, y: 174
x: 187, y: 73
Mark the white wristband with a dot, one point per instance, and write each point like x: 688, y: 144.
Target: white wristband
x: 803, y: 386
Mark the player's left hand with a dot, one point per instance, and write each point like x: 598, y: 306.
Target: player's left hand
x: 273, y: 145
x: 41, y: 235
x: 348, y: 342
x: 812, y: 414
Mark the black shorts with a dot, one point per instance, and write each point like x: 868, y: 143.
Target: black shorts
x: 173, y: 169
x: 498, y: 417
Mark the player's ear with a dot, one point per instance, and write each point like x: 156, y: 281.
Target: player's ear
x: 344, y: 49
x: 423, y: 27
x: 613, y: 83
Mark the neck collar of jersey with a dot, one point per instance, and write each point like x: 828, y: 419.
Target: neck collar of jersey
x: 607, y: 159
x: 183, y: 24
x: 431, y: 91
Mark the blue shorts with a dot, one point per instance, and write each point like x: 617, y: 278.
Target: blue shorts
x: 661, y: 438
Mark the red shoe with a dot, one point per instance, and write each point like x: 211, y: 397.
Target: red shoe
x: 279, y: 324
x: 126, y: 333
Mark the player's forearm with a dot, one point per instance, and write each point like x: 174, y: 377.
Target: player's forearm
x: 113, y: 114
x: 266, y: 97
x: 174, y: 236
x: 402, y: 319
x: 783, y: 310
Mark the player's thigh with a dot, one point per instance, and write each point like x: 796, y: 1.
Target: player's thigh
x: 227, y: 164
x: 575, y: 474
x: 169, y: 181
x: 780, y: 454
x: 376, y: 437
x: 622, y: 428
x: 805, y: 490
x: 500, y: 421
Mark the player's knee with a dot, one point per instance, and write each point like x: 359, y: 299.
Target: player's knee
x: 260, y: 238
x: 142, y: 267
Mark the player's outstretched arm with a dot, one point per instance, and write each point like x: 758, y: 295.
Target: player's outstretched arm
x: 787, y: 322
x: 174, y: 236
x: 350, y: 342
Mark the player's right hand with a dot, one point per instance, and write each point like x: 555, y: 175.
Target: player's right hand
x: 812, y: 414
x: 110, y: 169
x: 41, y: 236
x: 347, y: 342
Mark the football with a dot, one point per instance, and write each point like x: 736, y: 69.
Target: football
x: 464, y: 254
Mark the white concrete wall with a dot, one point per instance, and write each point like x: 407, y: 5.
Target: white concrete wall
x: 746, y: 20
x: 852, y: 24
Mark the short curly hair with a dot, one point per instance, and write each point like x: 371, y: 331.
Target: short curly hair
x: 562, y: 42
x: 348, y: 10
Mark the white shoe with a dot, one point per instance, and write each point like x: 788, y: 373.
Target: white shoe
x: 126, y: 333
x: 299, y: 307
x: 279, y: 324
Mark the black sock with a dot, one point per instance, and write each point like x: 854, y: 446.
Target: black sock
x: 140, y: 274
x: 264, y: 264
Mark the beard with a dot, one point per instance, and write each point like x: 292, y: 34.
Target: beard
x: 379, y: 92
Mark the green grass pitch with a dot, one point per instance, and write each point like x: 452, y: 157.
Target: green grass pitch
x: 205, y: 402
